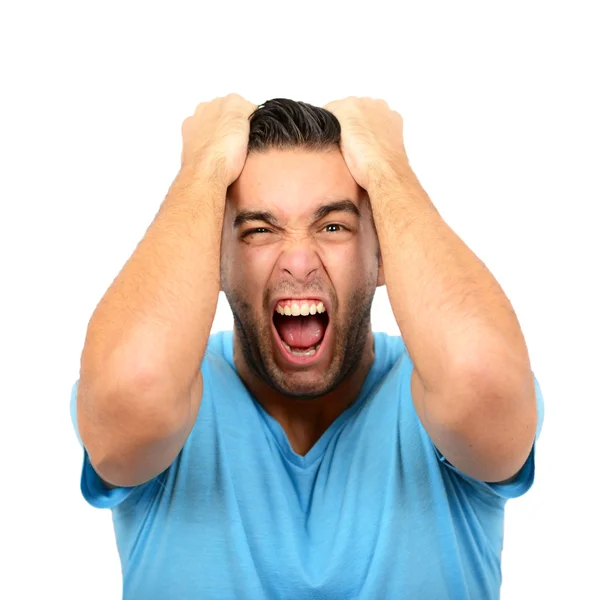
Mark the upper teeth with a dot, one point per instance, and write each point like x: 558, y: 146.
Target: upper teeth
x: 294, y: 309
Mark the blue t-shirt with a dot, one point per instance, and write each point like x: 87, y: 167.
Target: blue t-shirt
x: 373, y: 511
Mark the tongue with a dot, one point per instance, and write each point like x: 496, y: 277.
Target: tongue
x: 300, y: 332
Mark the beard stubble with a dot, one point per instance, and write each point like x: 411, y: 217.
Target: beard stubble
x: 350, y: 339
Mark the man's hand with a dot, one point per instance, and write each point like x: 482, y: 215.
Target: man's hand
x: 372, y: 140
x: 215, y: 137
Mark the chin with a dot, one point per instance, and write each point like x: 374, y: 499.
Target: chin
x: 309, y: 384
x: 303, y: 391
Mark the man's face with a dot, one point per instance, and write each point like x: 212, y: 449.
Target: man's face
x: 298, y: 236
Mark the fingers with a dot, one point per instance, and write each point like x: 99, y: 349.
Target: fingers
x: 229, y: 103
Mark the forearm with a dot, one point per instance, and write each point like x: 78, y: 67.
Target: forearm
x: 455, y: 319
x: 153, y: 323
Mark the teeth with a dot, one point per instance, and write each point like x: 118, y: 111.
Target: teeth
x: 308, y: 352
x: 303, y: 309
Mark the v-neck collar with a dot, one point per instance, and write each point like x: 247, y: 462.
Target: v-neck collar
x: 275, y: 427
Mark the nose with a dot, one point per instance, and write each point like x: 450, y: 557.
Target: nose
x: 300, y: 261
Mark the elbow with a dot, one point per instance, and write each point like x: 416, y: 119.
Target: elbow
x: 487, y: 429
x: 119, y: 470
x: 125, y: 427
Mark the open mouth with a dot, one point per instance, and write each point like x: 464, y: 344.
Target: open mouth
x: 301, y: 326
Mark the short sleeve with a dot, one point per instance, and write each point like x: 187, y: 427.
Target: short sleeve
x: 92, y: 487
x: 523, y: 480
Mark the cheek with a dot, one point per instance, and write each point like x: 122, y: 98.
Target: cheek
x: 348, y: 259
x: 350, y: 269
x: 344, y: 267
x: 250, y: 268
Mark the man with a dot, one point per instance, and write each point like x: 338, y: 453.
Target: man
x: 303, y: 455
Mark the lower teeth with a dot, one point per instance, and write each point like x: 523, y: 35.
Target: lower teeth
x: 308, y: 352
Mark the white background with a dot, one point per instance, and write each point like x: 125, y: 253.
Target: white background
x: 500, y: 104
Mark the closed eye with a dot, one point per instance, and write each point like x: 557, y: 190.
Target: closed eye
x: 253, y: 231
x: 330, y: 228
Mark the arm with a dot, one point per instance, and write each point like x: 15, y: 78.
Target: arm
x: 472, y: 385
x: 140, y: 383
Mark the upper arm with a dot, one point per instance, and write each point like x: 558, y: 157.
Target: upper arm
x: 492, y: 450
x: 132, y: 446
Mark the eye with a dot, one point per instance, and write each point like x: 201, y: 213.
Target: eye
x: 254, y: 231
x: 334, y: 228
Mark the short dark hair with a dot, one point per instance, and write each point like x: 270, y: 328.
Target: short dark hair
x: 283, y: 124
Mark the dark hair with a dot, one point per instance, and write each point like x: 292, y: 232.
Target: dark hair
x: 282, y: 124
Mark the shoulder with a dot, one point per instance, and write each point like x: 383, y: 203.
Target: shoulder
x: 391, y: 354
x: 389, y: 369
x: 220, y: 343
x: 219, y: 374
x: 219, y: 353
x: 388, y: 347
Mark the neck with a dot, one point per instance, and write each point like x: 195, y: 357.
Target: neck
x: 305, y: 421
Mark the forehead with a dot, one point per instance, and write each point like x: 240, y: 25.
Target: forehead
x: 292, y: 183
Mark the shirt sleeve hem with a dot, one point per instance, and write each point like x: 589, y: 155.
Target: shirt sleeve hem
x: 96, y: 493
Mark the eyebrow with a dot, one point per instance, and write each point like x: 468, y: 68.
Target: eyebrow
x: 345, y: 205
x: 321, y: 212
x: 246, y: 216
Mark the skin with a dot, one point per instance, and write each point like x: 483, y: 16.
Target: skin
x: 472, y: 385
x: 335, y: 257
x: 141, y: 385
